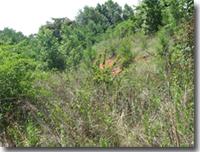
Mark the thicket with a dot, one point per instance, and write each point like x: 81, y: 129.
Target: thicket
x: 56, y: 89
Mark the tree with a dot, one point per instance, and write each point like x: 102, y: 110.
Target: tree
x: 113, y: 9
x: 55, y: 27
x: 117, y: 19
x: 49, y: 49
x: 127, y: 12
x: 102, y: 9
x: 150, y: 12
x: 153, y: 15
x: 10, y: 33
x: 89, y: 54
x: 176, y: 12
x: 109, y: 9
x: 72, y: 46
x: 125, y: 28
x: 89, y: 13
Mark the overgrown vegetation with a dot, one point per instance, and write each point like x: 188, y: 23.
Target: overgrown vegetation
x: 112, y: 78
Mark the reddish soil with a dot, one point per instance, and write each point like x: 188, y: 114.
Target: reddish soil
x: 109, y: 62
x: 116, y: 70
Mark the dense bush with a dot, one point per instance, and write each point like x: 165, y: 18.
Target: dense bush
x: 16, y: 80
x: 125, y: 28
x: 49, y: 50
x: 15, y: 37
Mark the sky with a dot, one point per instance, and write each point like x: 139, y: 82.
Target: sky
x: 27, y: 16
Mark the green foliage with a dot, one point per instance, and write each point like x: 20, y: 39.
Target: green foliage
x: 153, y: 16
x: 102, y: 143
x: 127, y: 55
x: 89, y: 13
x: 49, y: 50
x: 164, y: 39
x: 117, y: 19
x: 114, y: 13
x: 94, y: 28
x: 71, y: 47
x: 81, y: 32
x: 113, y: 50
x: 25, y: 138
x: 7, y: 33
x: 127, y: 12
x: 175, y: 12
x: 125, y: 28
x: 182, y: 55
x: 89, y: 55
x: 55, y: 27
x: 114, y: 10
x: 169, y: 13
x: 16, y: 79
x: 143, y: 39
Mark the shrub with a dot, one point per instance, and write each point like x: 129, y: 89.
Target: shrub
x: 163, y: 42
x: 16, y: 80
x: 125, y: 28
